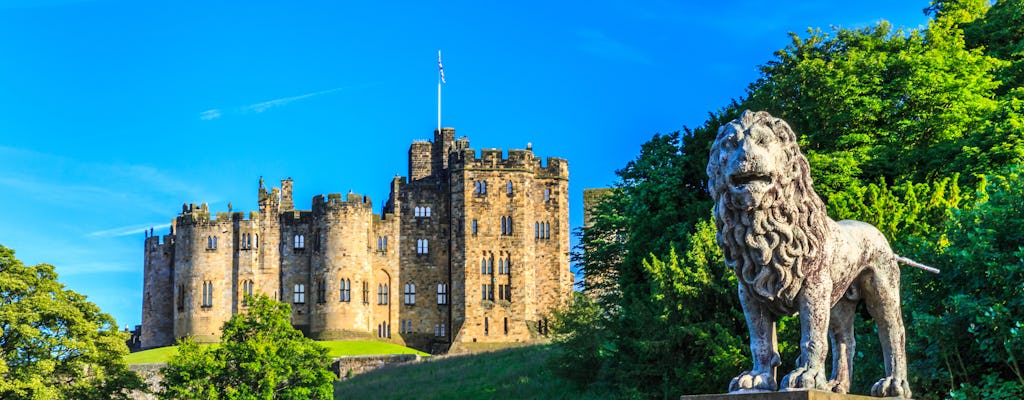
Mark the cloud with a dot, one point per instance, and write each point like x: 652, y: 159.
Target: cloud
x: 209, y: 114
x: 127, y: 230
x: 263, y: 106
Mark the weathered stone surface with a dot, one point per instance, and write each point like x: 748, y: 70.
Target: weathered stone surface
x: 303, y: 256
x: 789, y: 257
x: 790, y: 395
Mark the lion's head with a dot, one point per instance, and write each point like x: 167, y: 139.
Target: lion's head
x: 771, y: 223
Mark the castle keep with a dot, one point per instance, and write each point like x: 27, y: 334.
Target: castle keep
x: 469, y: 248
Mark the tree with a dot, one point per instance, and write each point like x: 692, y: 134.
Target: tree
x: 260, y: 356
x: 54, y: 344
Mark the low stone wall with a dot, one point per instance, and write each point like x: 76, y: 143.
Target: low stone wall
x: 342, y: 367
x: 150, y: 373
x: 347, y: 367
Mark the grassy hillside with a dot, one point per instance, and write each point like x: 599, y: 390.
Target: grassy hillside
x: 336, y: 349
x: 515, y: 373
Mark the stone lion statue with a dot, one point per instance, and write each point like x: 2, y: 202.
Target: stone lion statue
x: 790, y: 257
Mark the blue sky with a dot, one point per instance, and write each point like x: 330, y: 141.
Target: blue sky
x: 114, y: 113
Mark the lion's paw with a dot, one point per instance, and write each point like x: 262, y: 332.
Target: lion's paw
x: 804, y: 378
x: 891, y: 387
x: 750, y: 381
x: 837, y: 387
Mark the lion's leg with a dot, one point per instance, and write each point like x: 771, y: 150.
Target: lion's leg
x: 840, y: 332
x: 882, y: 296
x: 763, y: 347
x: 814, y: 319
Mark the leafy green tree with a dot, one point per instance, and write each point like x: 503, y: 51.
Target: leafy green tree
x: 969, y: 332
x: 261, y: 356
x: 580, y: 342
x: 55, y: 344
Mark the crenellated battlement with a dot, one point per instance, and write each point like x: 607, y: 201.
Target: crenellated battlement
x: 516, y: 159
x: 334, y: 202
x: 192, y: 214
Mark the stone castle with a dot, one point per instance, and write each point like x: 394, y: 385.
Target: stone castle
x: 468, y: 248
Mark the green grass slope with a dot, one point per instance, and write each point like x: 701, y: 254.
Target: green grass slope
x: 515, y: 373
x: 335, y: 349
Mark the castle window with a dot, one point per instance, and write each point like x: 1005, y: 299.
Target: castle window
x: 487, y: 326
x: 406, y: 326
x: 382, y: 294
x: 382, y: 243
x: 487, y: 292
x: 542, y: 230
x: 474, y: 226
x: 181, y: 297
x: 410, y: 293
x: 439, y: 330
x: 300, y: 242
x: 422, y: 246
x: 421, y: 212
x: 442, y: 293
x: 246, y: 292
x: 506, y: 226
x: 321, y: 291
x: 207, y: 294
x: 211, y: 242
x: 346, y: 290
x: 508, y: 188
x: 547, y: 195
x: 256, y: 240
x: 505, y: 292
x: 506, y: 325
x: 299, y: 294
x: 480, y: 187
x: 366, y: 292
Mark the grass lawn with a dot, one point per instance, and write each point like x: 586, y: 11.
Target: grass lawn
x: 335, y: 349
x: 515, y: 373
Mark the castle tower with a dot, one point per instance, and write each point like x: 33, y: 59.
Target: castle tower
x: 340, y: 262
x: 158, y: 293
x: 203, y: 272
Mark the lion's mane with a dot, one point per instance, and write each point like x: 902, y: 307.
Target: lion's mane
x: 775, y: 245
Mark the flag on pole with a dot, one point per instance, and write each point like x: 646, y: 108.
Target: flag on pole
x: 439, y: 67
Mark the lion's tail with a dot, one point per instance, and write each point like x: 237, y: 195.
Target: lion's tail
x: 915, y: 264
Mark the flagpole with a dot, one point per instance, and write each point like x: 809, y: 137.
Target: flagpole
x: 440, y: 78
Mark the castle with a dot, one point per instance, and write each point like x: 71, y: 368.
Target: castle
x: 466, y: 249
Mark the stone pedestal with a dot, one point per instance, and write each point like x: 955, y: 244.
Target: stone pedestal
x: 794, y: 395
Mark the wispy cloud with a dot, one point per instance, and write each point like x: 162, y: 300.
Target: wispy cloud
x: 263, y: 106
x: 127, y: 230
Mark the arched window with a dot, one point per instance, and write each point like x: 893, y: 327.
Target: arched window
x: 483, y: 265
x: 508, y: 188
x: 345, y: 291
x: 422, y: 246
x: 300, y: 242
x: 474, y: 227
x: 207, y: 300
x: 547, y: 195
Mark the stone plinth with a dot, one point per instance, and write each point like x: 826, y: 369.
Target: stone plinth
x: 794, y: 395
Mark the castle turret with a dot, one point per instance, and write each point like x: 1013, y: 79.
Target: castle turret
x: 158, y: 293
x: 340, y: 266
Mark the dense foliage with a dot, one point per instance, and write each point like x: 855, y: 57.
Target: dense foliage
x: 55, y: 344
x: 913, y: 131
x: 260, y: 356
